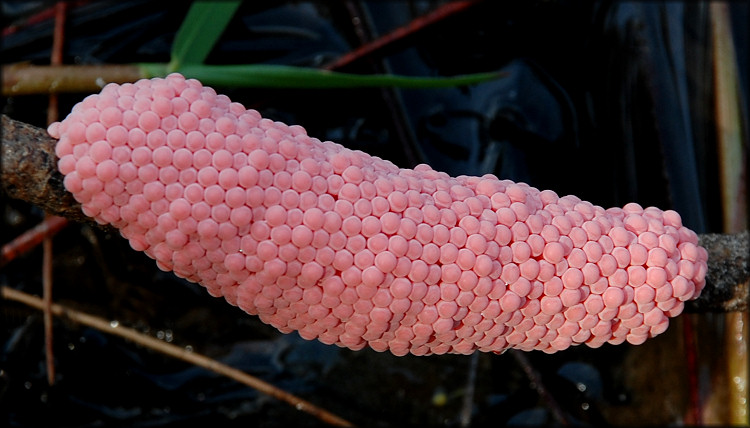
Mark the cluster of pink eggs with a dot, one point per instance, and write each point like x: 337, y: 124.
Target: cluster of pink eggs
x: 352, y: 250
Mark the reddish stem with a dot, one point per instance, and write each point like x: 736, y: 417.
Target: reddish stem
x: 39, y: 17
x: 416, y: 25
x: 56, y: 58
x: 31, y: 238
x: 535, y: 378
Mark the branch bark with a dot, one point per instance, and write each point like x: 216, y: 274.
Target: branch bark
x: 728, y: 277
x: 29, y: 172
x: 23, y: 79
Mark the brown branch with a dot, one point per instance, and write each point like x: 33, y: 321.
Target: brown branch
x: 728, y: 276
x: 29, y: 172
x: 176, y: 352
x: 536, y: 382
x: 24, y: 79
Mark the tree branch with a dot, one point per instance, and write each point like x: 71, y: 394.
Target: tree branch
x: 29, y: 172
x: 728, y: 276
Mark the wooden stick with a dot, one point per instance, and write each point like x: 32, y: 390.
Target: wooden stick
x: 176, y: 352
x: 23, y: 79
x: 29, y: 172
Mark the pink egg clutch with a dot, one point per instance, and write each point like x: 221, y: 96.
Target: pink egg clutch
x: 348, y: 248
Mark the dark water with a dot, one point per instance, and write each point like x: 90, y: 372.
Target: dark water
x: 603, y: 101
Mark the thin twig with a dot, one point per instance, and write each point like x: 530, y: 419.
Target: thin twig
x: 47, y: 295
x: 536, y: 382
x: 467, y: 406
x: 36, y: 18
x: 31, y: 238
x: 371, y: 47
x: 49, y: 340
x: 392, y: 98
x: 176, y: 352
x: 56, y: 58
x: 56, y: 54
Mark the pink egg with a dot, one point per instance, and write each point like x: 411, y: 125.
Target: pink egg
x: 162, y: 106
x: 225, y: 125
x: 657, y: 257
x: 613, y: 297
x: 214, y: 195
x: 235, y: 197
x: 577, y: 258
x: 371, y: 226
x: 551, y: 305
x: 156, y: 138
x: 116, y: 136
x: 362, y: 208
x: 636, y: 223
x: 153, y: 191
x: 607, y: 265
x: 521, y: 251
x: 107, y: 170
x: 649, y: 240
x: 510, y: 302
x: 116, y: 189
x: 398, y: 201
x: 594, y: 251
x: 352, y: 174
x: 372, y: 276
x: 86, y: 167
x: 554, y: 252
x: 149, y: 173
x: 682, y: 289
x: 95, y: 132
x: 64, y: 148
x: 378, y: 243
x: 276, y: 216
x: 208, y: 228
x: 222, y: 159
x: 483, y: 266
x: 162, y: 156
x: 521, y: 286
x: 529, y: 269
x: 591, y: 273
x: 466, y: 259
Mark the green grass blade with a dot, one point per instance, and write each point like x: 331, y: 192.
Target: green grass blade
x: 154, y: 69
x: 199, y: 31
x: 281, y: 76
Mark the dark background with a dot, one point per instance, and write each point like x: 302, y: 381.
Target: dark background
x: 610, y: 101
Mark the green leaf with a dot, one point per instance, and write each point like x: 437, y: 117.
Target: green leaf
x: 282, y: 76
x: 154, y: 69
x: 201, y: 28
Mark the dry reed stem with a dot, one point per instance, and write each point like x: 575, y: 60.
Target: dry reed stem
x: 25, y: 79
x: 176, y: 352
x: 733, y: 175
